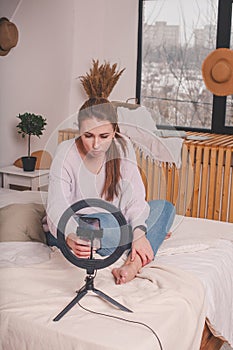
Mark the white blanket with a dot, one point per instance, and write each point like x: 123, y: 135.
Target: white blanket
x: 203, y: 248
x: 14, y: 254
x: 162, y: 298
x: 11, y: 196
x: 139, y: 125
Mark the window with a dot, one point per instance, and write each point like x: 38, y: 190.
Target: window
x: 174, y: 38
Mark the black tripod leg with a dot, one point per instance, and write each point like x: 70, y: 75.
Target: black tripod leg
x: 70, y: 305
x: 111, y: 300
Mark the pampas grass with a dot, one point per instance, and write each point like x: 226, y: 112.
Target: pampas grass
x: 101, y: 79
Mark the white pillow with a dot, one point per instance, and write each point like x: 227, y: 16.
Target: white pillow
x: 139, y: 117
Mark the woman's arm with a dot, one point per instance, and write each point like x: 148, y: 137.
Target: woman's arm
x: 60, y: 187
x: 62, y: 192
x: 142, y: 247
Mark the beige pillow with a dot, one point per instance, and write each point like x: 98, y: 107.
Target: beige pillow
x: 22, y: 223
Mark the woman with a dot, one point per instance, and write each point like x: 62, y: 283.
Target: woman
x: 101, y: 163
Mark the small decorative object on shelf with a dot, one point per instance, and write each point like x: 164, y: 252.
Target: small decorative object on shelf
x: 30, y: 124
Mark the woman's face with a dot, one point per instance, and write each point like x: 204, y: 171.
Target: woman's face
x: 96, y: 136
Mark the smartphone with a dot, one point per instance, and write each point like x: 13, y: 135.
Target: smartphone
x: 86, y: 230
x: 89, y: 222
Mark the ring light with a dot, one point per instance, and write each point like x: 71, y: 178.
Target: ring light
x: 93, y: 264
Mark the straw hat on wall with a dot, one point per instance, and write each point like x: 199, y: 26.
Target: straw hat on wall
x: 217, y: 72
x: 8, y: 36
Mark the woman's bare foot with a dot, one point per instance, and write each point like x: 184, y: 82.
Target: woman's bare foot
x: 128, y: 271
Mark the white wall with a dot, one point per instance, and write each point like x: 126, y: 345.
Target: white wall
x: 105, y: 30
x: 58, y: 40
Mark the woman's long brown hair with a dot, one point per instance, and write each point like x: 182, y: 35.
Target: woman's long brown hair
x: 103, y: 110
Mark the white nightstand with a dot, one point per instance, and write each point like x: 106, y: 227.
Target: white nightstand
x: 13, y: 175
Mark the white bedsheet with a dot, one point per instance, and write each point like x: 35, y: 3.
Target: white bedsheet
x: 207, y: 252
x: 14, y: 254
x: 201, y: 247
x: 161, y: 297
x: 213, y: 267
x: 8, y: 197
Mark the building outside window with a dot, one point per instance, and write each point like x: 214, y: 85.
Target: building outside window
x: 175, y: 36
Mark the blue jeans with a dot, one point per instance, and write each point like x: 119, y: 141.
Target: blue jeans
x: 160, y: 219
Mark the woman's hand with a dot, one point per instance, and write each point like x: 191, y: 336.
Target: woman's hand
x: 81, y: 248
x: 142, y: 247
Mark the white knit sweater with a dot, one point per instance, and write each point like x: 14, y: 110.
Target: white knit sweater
x: 70, y: 181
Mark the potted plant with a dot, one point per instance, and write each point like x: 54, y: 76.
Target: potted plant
x: 30, y: 124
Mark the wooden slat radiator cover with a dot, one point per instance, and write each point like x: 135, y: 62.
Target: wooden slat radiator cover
x: 202, y: 187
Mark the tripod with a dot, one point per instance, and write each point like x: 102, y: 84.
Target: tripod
x: 89, y: 286
x: 92, y: 233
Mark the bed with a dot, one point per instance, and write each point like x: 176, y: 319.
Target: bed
x: 183, y: 299
x: 182, y: 295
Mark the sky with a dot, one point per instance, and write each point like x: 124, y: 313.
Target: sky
x: 194, y: 13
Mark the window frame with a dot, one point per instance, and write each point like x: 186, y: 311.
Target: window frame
x: 224, y: 23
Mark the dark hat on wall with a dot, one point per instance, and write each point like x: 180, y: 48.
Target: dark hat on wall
x: 8, y: 36
x: 217, y: 72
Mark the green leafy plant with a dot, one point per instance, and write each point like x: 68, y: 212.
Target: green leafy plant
x: 31, y: 124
